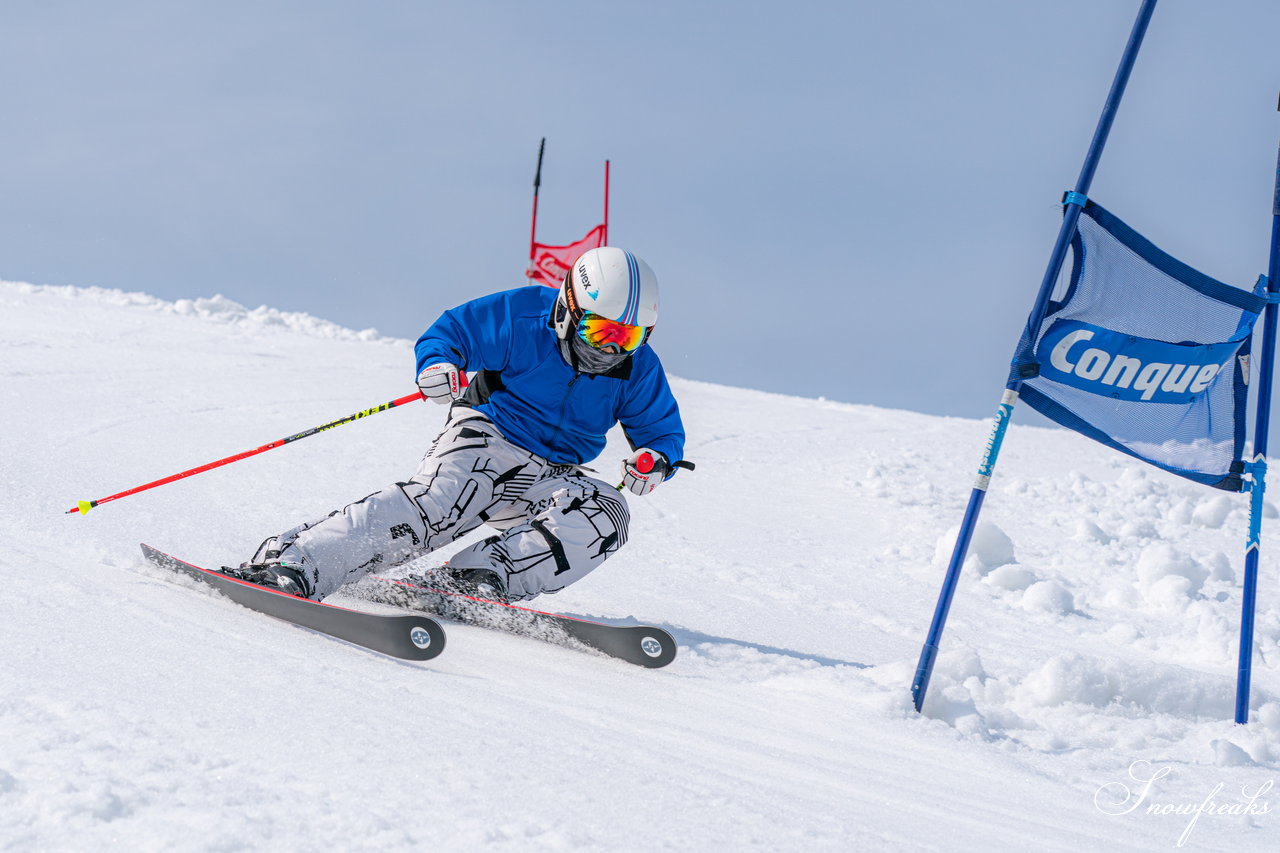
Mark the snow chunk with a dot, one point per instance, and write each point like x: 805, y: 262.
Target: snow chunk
x: 1068, y: 678
x: 1087, y: 531
x: 988, y: 548
x: 1049, y: 597
x: 1010, y: 577
x: 959, y: 674
x: 1227, y: 754
x: 955, y: 706
x: 1073, y: 678
x: 1140, y: 528
x: 1180, y: 513
x: 1220, y: 568
x: 1166, y: 574
x: 1268, y: 717
x: 1212, y: 513
x: 962, y: 664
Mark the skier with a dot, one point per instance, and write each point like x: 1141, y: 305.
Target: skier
x: 554, y: 371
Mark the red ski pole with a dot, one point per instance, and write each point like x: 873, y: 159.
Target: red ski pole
x: 83, y: 507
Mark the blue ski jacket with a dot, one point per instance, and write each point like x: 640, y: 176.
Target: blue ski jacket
x: 531, y: 393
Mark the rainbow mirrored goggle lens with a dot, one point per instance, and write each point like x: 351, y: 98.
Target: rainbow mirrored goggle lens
x: 605, y: 334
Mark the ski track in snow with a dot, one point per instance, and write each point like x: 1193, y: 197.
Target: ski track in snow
x: 1095, y: 626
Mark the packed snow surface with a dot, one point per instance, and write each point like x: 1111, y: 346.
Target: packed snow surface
x: 1083, y: 700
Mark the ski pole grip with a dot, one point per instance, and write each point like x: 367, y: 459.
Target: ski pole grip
x: 644, y: 463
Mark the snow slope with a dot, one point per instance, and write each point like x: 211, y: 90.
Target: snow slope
x: 1091, y: 647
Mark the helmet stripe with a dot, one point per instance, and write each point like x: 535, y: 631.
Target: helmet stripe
x: 633, y: 293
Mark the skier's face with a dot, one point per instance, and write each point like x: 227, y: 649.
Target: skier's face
x: 593, y: 360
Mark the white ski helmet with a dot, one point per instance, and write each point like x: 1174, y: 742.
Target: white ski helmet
x: 610, y: 283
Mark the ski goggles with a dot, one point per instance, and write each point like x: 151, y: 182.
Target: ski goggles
x: 603, y: 333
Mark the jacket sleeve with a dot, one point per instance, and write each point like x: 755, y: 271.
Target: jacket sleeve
x: 474, y: 336
x: 650, y: 416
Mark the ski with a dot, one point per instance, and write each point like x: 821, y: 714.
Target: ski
x: 413, y: 637
x: 643, y: 645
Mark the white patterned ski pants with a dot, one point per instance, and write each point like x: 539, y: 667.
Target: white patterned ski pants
x: 556, y: 524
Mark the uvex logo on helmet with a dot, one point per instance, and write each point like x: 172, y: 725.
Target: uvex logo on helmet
x: 584, y: 281
x: 1127, y: 367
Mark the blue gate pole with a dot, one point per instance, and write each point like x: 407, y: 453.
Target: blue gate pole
x: 1074, y: 202
x: 1259, y: 467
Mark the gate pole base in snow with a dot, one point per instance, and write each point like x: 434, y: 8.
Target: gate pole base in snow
x: 929, y: 654
x: 1074, y: 201
x: 1261, y: 426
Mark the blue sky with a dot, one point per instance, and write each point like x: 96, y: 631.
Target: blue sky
x: 847, y: 199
